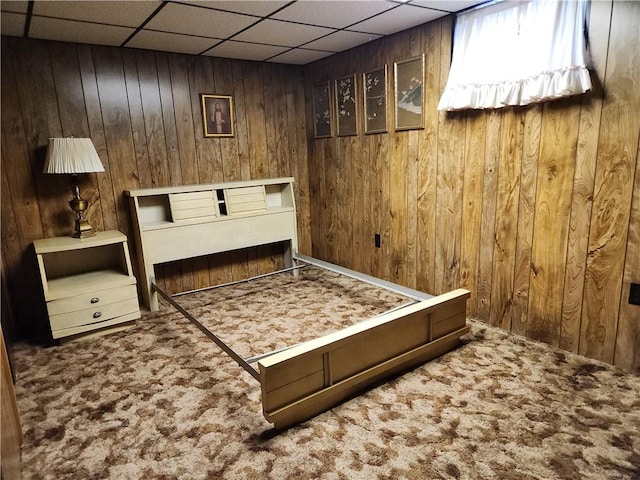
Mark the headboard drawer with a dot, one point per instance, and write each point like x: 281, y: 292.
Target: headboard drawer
x: 200, y: 205
x: 246, y: 200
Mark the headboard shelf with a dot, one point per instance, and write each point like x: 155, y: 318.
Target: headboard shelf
x: 185, y: 221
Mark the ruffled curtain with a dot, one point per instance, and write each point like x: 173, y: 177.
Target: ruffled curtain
x: 516, y: 53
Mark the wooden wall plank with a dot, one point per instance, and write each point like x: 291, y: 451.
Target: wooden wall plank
x: 169, y: 120
x: 208, y: 153
x: 556, y: 169
x: 398, y: 207
x: 224, y: 85
x: 33, y: 73
x: 207, y: 150
x: 256, y: 128
x: 183, y: 110
x: 526, y: 217
x: 506, y: 225
x: 117, y: 128
x: 487, y: 227
x: 627, y: 349
x: 242, y: 133
x: 614, y: 184
x: 473, y: 182
x: 427, y: 158
x: 158, y: 168
x: 411, y: 241
x: 134, y: 98
x: 88, y: 76
x: 583, y: 185
x: 16, y: 165
x: 296, y: 124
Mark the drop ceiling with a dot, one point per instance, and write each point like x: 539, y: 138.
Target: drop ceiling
x: 281, y: 31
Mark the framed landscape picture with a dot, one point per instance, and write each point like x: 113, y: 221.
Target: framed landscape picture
x: 322, y: 110
x: 374, y: 86
x: 217, y: 115
x: 346, y: 107
x: 409, y: 94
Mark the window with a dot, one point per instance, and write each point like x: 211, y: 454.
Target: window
x: 516, y: 53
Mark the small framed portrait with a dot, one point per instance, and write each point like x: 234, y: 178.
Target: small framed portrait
x: 374, y: 86
x: 322, y: 110
x: 346, y: 110
x: 217, y: 115
x: 409, y: 80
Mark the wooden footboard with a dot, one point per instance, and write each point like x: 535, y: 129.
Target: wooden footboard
x: 310, y: 378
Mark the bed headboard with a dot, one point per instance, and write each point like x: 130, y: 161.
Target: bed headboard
x: 173, y: 223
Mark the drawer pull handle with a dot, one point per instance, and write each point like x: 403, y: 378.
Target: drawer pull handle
x: 95, y: 300
x: 97, y: 314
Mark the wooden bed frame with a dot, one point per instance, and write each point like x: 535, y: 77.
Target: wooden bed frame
x: 297, y: 383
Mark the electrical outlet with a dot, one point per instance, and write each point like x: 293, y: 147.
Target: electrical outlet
x: 376, y: 240
x: 634, y: 294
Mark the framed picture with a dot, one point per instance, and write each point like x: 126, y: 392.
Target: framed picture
x: 322, y: 110
x: 409, y: 95
x: 374, y: 86
x: 346, y: 110
x: 217, y: 115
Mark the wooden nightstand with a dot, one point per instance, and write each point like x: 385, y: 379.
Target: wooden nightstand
x: 88, y: 283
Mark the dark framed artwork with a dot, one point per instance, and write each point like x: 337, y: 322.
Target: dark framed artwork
x: 409, y: 94
x: 322, y: 110
x: 346, y: 107
x: 374, y: 86
x: 217, y: 115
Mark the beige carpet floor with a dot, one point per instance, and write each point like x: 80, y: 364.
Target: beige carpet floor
x: 161, y: 401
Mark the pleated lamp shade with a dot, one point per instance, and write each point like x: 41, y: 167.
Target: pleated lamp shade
x: 72, y: 155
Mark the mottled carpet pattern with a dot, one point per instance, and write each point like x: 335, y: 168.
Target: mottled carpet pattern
x: 161, y: 401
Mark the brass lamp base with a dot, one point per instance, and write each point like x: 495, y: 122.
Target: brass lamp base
x: 83, y: 228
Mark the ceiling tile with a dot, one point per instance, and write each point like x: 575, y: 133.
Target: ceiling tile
x: 79, y: 32
x: 14, y: 6
x: 342, y: 40
x: 260, y: 8
x: 400, y: 18
x: 300, y: 56
x: 313, y: 28
x: 123, y: 13
x: 187, y: 19
x: 245, y: 51
x: 13, y: 24
x: 446, y: 5
x: 271, y: 32
x: 332, y: 13
x: 170, y: 42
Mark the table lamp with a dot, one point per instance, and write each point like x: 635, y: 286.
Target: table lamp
x: 74, y: 156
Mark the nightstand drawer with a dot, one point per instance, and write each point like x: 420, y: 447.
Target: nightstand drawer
x: 93, y: 315
x: 94, y: 300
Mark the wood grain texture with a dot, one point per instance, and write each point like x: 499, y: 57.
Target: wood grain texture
x: 556, y: 168
x: 512, y: 189
x: 578, y: 301
x: 526, y: 217
x: 583, y: 187
x: 428, y: 166
x: 614, y: 185
x: 473, y: 182
x: 488, y: 217
x: 142, y: 111
x: 502, y: 289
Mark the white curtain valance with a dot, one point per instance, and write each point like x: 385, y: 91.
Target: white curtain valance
x: 516, y: 53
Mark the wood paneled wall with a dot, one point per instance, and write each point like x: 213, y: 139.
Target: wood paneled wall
x: 142, y: 111
x: 536, y: 210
